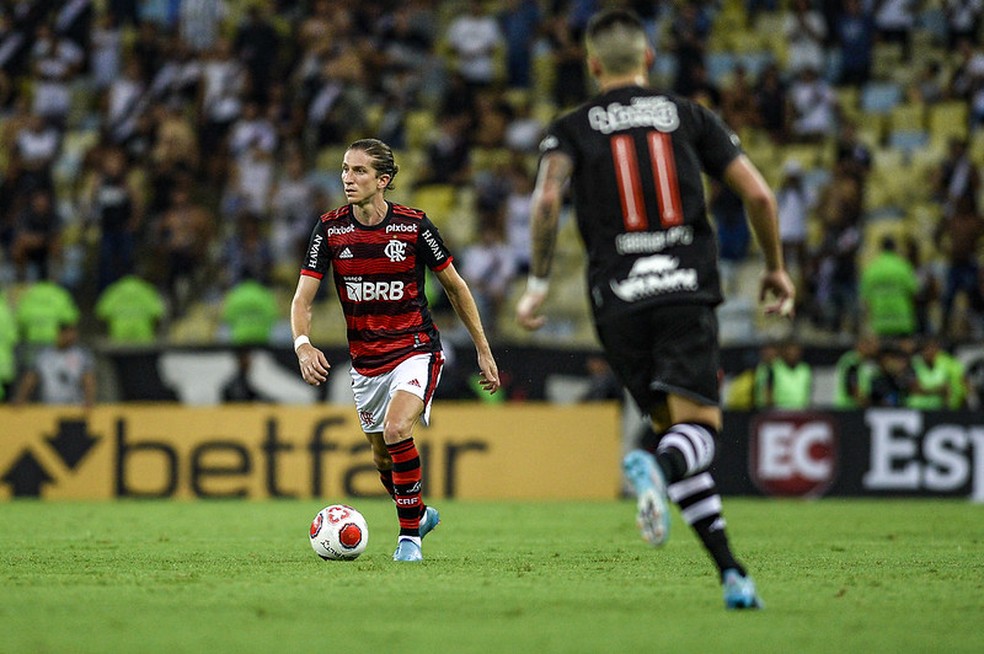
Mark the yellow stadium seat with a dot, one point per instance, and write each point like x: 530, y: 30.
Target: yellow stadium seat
x: 948, y: 120
x: 909, y: 117
x: 419, y: 125
x: 977, y: 147
x: 436, y: 200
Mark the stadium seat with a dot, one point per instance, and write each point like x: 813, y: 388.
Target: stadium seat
x: 848, y: 101
x: 437, y: 200
x: 908, y: 117
x: 419, y: 124
x: 885, y: 59
x: 932, y: 22
x: 720, y: 66
x: 948, y: 120
x: 977, y: 147
x: 908, y: 140
x: 880, y: 97
x: 871, y: 126
x: 755, y: 61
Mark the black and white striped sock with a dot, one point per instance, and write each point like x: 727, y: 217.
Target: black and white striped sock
x: 686, y: 449
x: 700, y: 506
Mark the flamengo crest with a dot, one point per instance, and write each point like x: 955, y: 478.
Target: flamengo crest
x: 395, y: 250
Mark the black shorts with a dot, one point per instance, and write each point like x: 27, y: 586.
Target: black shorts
x: 663, y: 350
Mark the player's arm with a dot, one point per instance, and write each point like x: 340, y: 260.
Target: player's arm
x: 28, y: 384
x: 555, y: 172
x: 464, y: 305
x: 89, y: 388
x: 760, y: 206
x: 312, y: 361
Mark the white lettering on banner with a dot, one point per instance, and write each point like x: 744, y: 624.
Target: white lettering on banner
x: 658, y: 112
x: 786, y: 451
x: 655, y: 275
x: 977, y: 438
x: 373, y: 291
x: 944, y: 445
x: 903, y: 458
x: 645, y: 242
x: 887, y: 449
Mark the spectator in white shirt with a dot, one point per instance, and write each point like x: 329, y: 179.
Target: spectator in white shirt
x: 475, y: 38
x: 805, y: 32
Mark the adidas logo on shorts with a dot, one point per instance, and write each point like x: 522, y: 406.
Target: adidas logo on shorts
x: 414, y: 382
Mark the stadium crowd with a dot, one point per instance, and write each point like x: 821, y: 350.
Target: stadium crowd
x: 163, y: 161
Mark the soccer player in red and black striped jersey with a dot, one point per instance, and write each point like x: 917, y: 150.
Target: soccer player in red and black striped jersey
x: 634, y: 158
x: 378, y: 252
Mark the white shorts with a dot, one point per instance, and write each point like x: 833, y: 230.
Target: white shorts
x: 418, y: 375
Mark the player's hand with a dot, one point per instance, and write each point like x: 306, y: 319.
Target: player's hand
x: 489, y: 373
x: 313, y: 363
x: 778, y: 293
x: 528, y: 310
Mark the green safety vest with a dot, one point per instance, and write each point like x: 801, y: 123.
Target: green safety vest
x: 935, y: 377
x: 791, y: 386
x: 955, y: 374
x: 851, y: 360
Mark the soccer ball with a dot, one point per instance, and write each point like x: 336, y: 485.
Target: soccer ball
x: 339, y: 533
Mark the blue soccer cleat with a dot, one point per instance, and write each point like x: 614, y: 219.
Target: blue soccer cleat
x: 407, y: 550
x: 429, y: 520
x: 739, y: 591
x: 653, y: 517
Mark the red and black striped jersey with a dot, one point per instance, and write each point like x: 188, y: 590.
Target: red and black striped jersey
x: 638, y: 192
x: 379, y: 273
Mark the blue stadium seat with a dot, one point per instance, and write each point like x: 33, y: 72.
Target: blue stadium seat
x: 908, y: 140
x: 719, y: 66
x: 880, y: 97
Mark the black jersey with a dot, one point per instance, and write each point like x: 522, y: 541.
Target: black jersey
x: 379, y: 275
x: 638, y: 193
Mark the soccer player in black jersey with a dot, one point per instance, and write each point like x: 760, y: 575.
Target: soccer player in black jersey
x: 634, y: 158
x: 378, y: 252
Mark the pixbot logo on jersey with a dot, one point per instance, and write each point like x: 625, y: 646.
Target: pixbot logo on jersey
x: 793, y: 453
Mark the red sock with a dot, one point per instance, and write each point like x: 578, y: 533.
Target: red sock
x: 386, y: 477
x: 406, y: 486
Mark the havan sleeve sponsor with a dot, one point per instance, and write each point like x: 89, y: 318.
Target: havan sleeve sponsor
x: 430, y: 248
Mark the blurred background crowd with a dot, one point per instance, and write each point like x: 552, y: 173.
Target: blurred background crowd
x: 163, y: 161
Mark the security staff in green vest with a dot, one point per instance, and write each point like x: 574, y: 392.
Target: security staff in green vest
x: 959, y: 381
x: 789, y: 383
x: 8, y: 342
x: 763, y: 373
x: 854, y: 371
x: 933, y: 384
x: 888, y: 292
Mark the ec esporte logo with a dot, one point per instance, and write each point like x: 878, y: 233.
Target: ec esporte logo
x: 26, y: 475
x: 793, y: 453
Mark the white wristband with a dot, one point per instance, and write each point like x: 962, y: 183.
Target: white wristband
x: 301, y: 340
x: 538, y: 285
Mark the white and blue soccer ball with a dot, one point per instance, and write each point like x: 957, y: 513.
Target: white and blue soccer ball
x: 339, y: 533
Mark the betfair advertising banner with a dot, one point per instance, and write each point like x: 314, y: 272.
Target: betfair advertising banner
x: 470, y: 451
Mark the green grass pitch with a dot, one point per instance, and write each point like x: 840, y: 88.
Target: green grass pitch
x: 836, y: 576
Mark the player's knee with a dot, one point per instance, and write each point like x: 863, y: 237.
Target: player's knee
x: 395, y: 431
x: 382, y: 460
